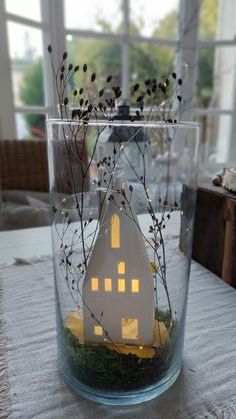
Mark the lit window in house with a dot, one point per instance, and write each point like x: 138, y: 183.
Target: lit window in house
x: 115, y: 231
x: 129, y: 328
x: 135, y: 285
x: 98, y: 330
x: 121, y: 285
x: 121, y: 268
x: 94, y: 284
x: 107, y: 284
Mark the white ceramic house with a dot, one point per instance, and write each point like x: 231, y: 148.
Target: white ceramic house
x: 118, y: 288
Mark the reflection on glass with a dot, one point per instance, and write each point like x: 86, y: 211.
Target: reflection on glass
x: 26, y: 8
x: 25, y: 46
x: 216, y: 133
x: 101, y: 16
x: 157, y: 18
x: 30, y: 125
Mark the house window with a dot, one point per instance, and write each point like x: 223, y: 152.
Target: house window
x: 115, y: 231
x: 94, y: 284
x: 121, y: 268
x: 121, y: 285
x: 135, y: 285
x: 129, y: 328
x: 98, y: 330
x: 107, y: 284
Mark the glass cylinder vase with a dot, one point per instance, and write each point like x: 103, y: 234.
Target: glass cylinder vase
x: 122, y: 238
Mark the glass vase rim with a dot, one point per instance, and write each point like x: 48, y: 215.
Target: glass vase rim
x: 115, y: 123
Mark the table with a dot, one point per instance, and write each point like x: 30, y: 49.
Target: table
x: 33, y: 385
x: 24, y: 243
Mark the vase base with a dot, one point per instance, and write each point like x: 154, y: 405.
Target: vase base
x: 121, y: 398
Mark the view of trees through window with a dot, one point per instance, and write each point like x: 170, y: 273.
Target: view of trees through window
x: 146, y: 59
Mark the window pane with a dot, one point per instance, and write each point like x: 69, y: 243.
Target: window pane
x: 121, y: 268
x: 108, y: 284
x: 101, y: 56
x: 135, y: 285
x: 129, y: 328
x: 151, y: 61
x: 216, y: 132
x: 30, y: 126
x: 155, y: 18
x: 98, y: 330
x: 121, y: 285
x: 102, y: 16
x: 26, y: 8
x: 217, y: 19
x: 94, y: 284
x: 216, y: 71
x: 25, y: 46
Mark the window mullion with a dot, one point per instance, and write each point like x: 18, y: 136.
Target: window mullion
x: 232, y: 142
x: 125, y: 51
x: 7, y: 120
x: 31, y: 109
x: 53, y: 16
x: 188, y: 54
x: 25, y: 21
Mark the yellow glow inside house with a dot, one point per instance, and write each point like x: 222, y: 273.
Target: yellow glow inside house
x: 98, y: 330
x: 121, y: 285
x: 107, y: 284
x: 121, y: 268
x: 115, y: 231
x: 135, y: 285
x: 94, y: 284
x: 129, y: 328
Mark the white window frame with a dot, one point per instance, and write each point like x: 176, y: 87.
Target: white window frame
x: 51, y: 25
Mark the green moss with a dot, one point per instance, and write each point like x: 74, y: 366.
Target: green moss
x: 164, y: 316
x: 103, y: 368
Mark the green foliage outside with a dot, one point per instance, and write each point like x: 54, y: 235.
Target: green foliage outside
x: 207, y: 30
x: 105, y: 56
x: 31, y: 93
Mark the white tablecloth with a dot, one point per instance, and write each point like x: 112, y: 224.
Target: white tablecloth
x: 206, y: 387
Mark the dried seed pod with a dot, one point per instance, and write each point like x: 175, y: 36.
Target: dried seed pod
x: 135, y: 87
x: 140, y: 98
x: 93, y: 77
